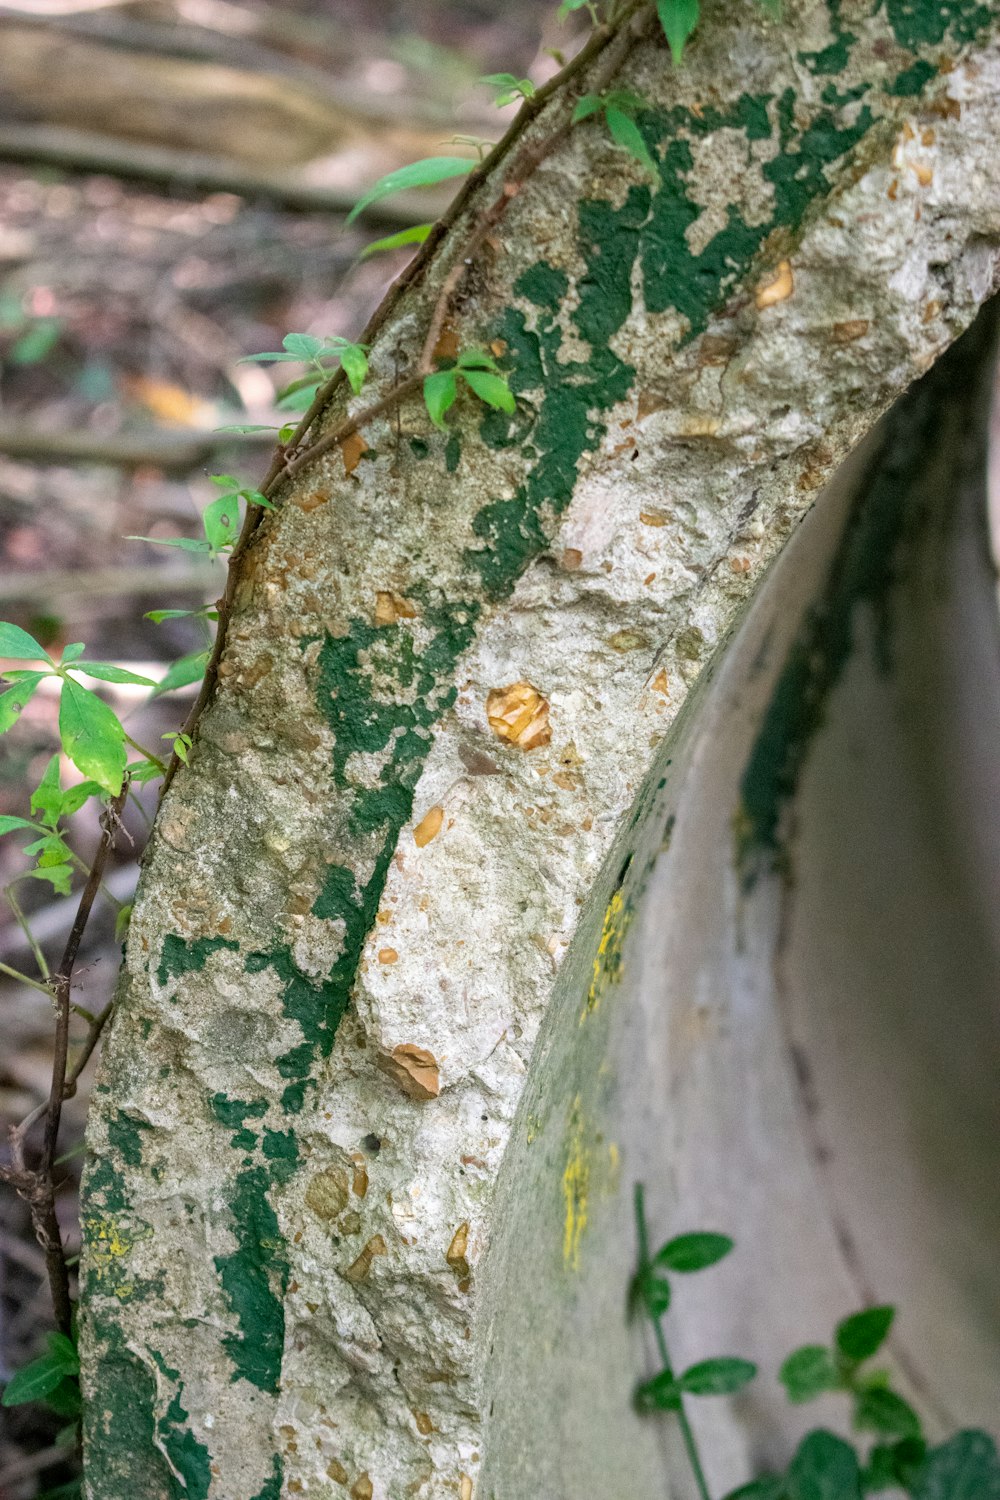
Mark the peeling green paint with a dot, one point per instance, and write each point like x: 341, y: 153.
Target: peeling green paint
x: 125, y: 1137
x: 189, y: 1457
x: 926, y: 23
x: 254, y: 1278
x: 272, y: 1489
x: 186, y: 955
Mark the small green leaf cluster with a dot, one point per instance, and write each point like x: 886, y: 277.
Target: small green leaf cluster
x: 220, y: 520
x: 53, y: 1378
x: 481, y: 374
x: 91, y: 734
x: 34, y: 337
x: 824, y: 1466
x: 509, y: 87
x: 323, y: 356
x: 619, y: 108
x: 651, y: 1292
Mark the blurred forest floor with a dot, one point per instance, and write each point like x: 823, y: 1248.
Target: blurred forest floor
x: 174, y: 176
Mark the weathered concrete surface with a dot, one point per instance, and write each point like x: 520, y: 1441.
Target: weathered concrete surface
x: 360, y: 897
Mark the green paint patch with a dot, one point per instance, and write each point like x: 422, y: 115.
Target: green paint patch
x: 835, y: 57
x: 180, y: 956
x: 282, y: 1151
x: 125, y: 1137
x: 913, y: 80
x: 189, y: 1457
x: 272, y: 1488
x: 254, y: 1278
x: 926, y: 23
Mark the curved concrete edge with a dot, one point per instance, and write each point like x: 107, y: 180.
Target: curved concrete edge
x: 790, y: 1031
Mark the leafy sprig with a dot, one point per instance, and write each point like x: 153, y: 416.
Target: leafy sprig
x: 480, y: 373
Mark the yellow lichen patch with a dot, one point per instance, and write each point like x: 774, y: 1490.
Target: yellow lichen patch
x: 108, y: 1248
x: 777, y: 286
x: 455, y: 1254
x: 390, y: 607
x: 358, y: 1269
x: 519, y: 715
x: 575, y: 1186
x: 608, y: 959
x: 327, y: 1193
x: 429, y: 827
x: 413, y: 1068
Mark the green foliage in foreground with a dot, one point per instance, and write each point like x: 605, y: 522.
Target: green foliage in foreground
x: 891, y: 1452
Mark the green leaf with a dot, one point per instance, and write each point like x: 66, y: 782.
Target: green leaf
x: 75, y: 796
x: 144, y: 770
x: 221, y: 521
x: 767, y: 1487
x: 159, y: 615
x: 63, y: 1349
x: 859, y: 1336
x: 824, y: 1468
x: 809, y: 1371
x: 225, y: 481
x: 423, y: 173
x: 589, y: 104
x: 20, y: 645
x: 966, y: 1467
x: 626, y: 133
x: 91, y: 736
x: 570, y: 5
x: 270, y: 354
x: 413, y: 236
x: 47, y: 798
x: 122, y: 919
x: 678, y: 19
x: 182, y: 673
x: 716, y: 1377
x: 510, y: 87
x: 693, y: 1252
x: 186, y: 543
x: 10, y: 824
x: 50, y: 850
x: 302, y: 345
x: 440, y: 390
x: 299, y: 395
x: 651, y: 1293
x: 255, y: 497
x: 493, y: 389
x: 35, y: 1381
x: 892, y: 1464
x: 72, y: 653
x: 58, y: 876
x: 879, y: 1410
x: 477, y: 359
x: 104, y: 671
x: 662, y: 1393
x: 15, y: 699
x: 243, y: 427
x: 354, y: 363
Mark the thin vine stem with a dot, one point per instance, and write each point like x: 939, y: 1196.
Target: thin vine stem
x: 25, y: 926
x: 645, y: 1266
